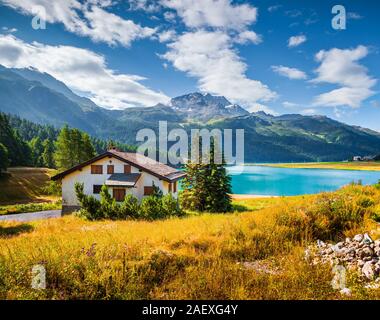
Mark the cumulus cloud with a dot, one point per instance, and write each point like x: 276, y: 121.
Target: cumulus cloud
x: 248, y: 37
x: 213, y: 13
x: 88, y: 19
x: 291, y: 73
x: 209, y: 56
x: 256, y: 107
x: 82, y: 70
x: 167, y: 35
x: 295, y: 41
x: 341, y: 67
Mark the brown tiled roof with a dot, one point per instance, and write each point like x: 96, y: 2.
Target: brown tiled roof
x: 158, y: 169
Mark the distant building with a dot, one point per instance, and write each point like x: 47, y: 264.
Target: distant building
x: 124, y: 173
x: 357, y: 158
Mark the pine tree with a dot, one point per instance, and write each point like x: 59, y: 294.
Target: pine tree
x: 219, y: 182
x: 88, y: 150
x: 4, y: 161
x: 36, y: 148
x: 63, y: 156
x: 207, y: 185
x: 72, y: 147
x: 48, y: 153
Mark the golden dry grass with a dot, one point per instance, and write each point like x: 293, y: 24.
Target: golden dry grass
x: 205, y: 256
x: 366, y: 166
x: 24, y: 185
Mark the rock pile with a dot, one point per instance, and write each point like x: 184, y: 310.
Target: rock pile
x: 360, y: 253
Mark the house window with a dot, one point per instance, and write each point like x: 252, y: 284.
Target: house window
x: 110, y: 169
x: 96, y: 169
x: 127, y: 168
x: 96, y: 189
x: 175, y: 186
x: 170, y: 187
x: 119, y: 194
x: 148, y: 191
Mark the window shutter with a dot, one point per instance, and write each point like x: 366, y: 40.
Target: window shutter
x: 110, y: 169
x: 148, y: 191
x: 96, y: 169
x: 127, y: 168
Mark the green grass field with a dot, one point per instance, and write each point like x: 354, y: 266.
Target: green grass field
x: 256, y: 252
x: 368, y: 166
x: 25, y: 185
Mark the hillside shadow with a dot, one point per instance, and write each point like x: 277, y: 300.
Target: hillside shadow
x: 12, y: 231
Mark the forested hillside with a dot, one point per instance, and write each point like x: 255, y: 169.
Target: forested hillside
x: 24, y: 143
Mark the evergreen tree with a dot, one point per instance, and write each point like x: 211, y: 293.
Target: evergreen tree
x: 4, y: 161
x: 48, y: 153
x: 218, y: 181
x: 72, y: 147
x: 36, y: 148
x: 63, y: 155
x: 207, y: 185
x: 88, y: 150
x: 18, y: 150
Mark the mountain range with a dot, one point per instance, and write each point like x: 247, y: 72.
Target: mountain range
x: 41, y: 98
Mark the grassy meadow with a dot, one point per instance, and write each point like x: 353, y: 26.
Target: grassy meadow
x: 23, y: 185
x: 257, y: 252
x: 356, y: 165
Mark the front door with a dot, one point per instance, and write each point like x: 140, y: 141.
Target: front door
x: 119, y: 194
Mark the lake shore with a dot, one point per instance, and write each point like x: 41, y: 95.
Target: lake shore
x: 250, y: 196
x: 361, y: 166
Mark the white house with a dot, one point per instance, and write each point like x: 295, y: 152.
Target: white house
x: 123, y: 172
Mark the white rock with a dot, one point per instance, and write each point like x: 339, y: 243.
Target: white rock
x: 368, y: 270
x: 358, y: 238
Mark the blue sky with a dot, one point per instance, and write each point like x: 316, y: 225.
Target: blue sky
x: 276, y: 56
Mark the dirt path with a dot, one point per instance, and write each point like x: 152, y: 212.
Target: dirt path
x: 30, y: 216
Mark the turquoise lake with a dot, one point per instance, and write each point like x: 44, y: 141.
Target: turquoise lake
x: 260, y: 180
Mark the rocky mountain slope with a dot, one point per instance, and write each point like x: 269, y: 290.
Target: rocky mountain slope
x: 40, y: 98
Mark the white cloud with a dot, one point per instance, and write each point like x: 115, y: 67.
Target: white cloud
x: 309, y: 112
x: 354, y: 16
x: 295, y: 41
x: 255, y: 107
x: 168, y: 35
x: 340, y: 67
x: 82, y: 70
x: 290, y: 105
x: 170, y: 16
x: 213, y: 13
x: 209, y: 57
x: 149, y: 6
x: 88, y: 19
x: 9, y: 30
x: 247, y: 37
x: 274, y: 8
x: 291, y: 73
